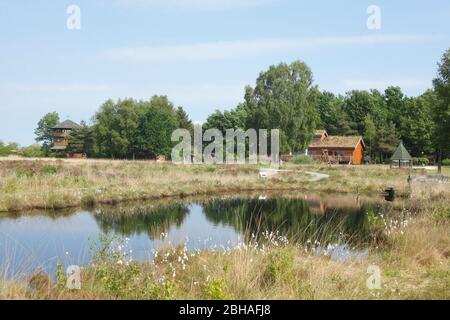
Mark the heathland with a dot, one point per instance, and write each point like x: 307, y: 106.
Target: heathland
x: 409, y: 239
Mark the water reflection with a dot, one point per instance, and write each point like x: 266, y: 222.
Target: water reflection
x: 152, y: 221
x: 43, y: 238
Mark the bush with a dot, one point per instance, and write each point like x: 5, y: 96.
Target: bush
x: 421, y: 161
x: 215, y: 290
x: 280, y: 266
x: 50, y: 169
x: 25, y: 172
x: 302, y: 160
x: 446, y: 162
x: 33, y: 151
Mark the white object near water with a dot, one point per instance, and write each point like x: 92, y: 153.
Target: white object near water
x: 267, y: 173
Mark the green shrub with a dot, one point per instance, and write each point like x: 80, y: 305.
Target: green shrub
x: 280, y: 266
x: 441, y: 214
x: 446, y: 162
x: 24, y: 172
x: 50, y: 169
x: 33, y: 151
x: 61, y: 277
x: 88, y: 201
x: 152, y: 291
x: 421, y: 161
x: 302, y: 160
x: 215, y: 290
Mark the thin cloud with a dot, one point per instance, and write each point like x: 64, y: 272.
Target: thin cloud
x: 216, y: 51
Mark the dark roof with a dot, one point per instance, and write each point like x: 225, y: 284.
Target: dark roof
x: 68, y: 124
x: 337, y: 142
x: 401, y: 153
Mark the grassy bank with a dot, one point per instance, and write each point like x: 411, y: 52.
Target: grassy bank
x: 412, y: 251
x: 410, y: 239
x: 56, y: 184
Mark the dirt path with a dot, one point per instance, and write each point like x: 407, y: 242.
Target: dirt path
x: 316, y: 176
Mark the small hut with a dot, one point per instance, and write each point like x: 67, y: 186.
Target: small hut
x: 401, y: 157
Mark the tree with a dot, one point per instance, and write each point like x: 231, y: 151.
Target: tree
x: 284, y: 98
x: 357, y: 105
x: 332, y: 116
x: 387, y: 140
x: 441, y: 110
x: 116, y: 128
x: 81, y: 140
x: 43, y: 131
x: 417, y: 125
x: 8, y: 149
x: 156, y: 127
x: 370, y: 132
x: 395, y: 103
x: 183, y: 120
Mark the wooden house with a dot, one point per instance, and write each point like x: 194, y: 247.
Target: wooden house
x: 337, y: 149
x: 60, y: 134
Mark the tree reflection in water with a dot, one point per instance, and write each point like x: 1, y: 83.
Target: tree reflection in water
x: 149, y: 220
x: 299, y: 220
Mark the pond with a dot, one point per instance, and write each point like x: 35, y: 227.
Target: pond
x: 38, y: 240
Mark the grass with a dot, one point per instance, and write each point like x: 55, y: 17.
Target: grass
x: 57, y: 184
x: 412, y: 246
x: 413, y: 258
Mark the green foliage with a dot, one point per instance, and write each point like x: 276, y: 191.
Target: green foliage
x: 81, y: 140
x: 25, y: 172
x: 163, y: 291
x: 61, y: 277
x: 33, y: 151
x: 284, y: 98
x: 382, y: 119
x: 387, y: 140
x: 280, y: 265
x: 156, y: 127
x: 43, y: 131
x: 234, y: 119
x: 446, y: 162
x: 215, y: 290
x: 370, y: 132
x: 416, y: 126
x: 50, y: 169
x: 332, y: 116
x: 302, y: 160
x: 183, y: 120
x: 8, y: 149
x: 441, y: 214
x: 116, y: 128
x: 357, y: 105
x: 374, y: 219
x: 441, y: 109
x: 421, y: 161
x: 130, y: 128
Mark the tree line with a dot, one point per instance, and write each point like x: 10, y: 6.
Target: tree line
x: 286, y: 98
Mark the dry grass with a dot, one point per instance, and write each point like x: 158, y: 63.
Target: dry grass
x: 54, y: 184
x: 416, y: 267
x: 413, y: 255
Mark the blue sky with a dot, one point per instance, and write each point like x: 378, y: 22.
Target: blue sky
x: 201, y: 53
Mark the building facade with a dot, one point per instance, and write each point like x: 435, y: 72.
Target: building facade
x: 337, y: 149
x: 60, y: 134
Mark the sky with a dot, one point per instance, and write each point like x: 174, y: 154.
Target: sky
x: 202, y: 53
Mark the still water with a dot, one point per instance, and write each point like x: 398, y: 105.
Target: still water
x: 38, y: 240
